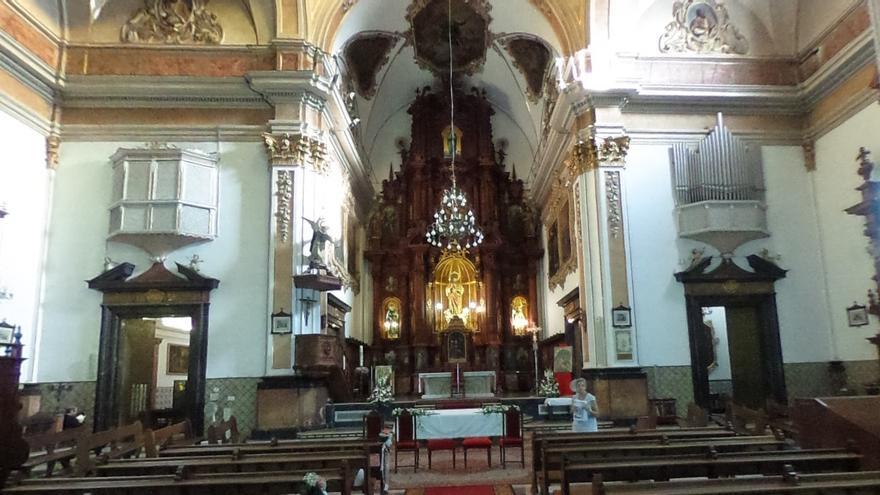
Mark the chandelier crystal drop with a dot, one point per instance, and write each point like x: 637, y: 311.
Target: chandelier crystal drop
x: 455, y: 226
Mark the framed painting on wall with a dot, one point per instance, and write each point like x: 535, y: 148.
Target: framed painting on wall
x: 178, y: 359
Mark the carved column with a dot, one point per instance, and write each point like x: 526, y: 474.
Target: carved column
x: 297, y: 152
x: 598, y: 163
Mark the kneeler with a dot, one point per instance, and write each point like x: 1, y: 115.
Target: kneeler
x: 441, y: 444
x: 478, y: 443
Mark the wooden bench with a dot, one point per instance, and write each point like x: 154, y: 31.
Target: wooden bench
x: 553, y: 456
x: 184, y: 483
x: 52, y: 448
x: 270, y: 447
x: 736, y: 464
x: 540, y: 439
x: 116, y: 443
x: 352, y: 461
x: 855, y: 483
x: 176, y: 434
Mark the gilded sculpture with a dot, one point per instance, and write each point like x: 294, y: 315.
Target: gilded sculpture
x: 173, y: 21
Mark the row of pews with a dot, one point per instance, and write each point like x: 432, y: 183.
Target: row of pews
x: 132, y: 461
x: 693, y: 460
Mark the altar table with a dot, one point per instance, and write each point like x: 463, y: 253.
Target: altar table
x: 459, y: 423
x: 439, y: 385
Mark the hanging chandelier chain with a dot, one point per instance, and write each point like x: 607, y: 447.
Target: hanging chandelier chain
x: 451, y: 95
x: 455, y: 226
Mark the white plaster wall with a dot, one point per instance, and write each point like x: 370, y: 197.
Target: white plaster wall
x: 844, y: 246
x: 802, y: 306
x: 658, y: 300
x: 24, y: 187
x: 77, y: 247
x: 816, y: 16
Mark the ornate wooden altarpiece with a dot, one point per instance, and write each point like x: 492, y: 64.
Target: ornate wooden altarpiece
x: 412, y: 280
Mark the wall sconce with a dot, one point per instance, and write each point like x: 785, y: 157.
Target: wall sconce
x: 5, y: 293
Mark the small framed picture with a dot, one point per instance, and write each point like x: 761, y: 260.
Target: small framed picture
x: 281, y: 323
x: 621, y: 317
x: 7, y: 334
x: 857, y: 315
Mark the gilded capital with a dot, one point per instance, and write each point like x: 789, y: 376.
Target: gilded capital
x: 613, y: 150
x: 583, y: 157
x: 297, y: 150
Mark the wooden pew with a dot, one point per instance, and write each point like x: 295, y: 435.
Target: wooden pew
x: 116, y: 443
x: 224, y: 431
x: 270, y: 447
x: 553, y: 456
x: 666, y: 434
x: 183, y: 483
x: 735, y: 464
x: 747, y: 421
x: 176, y: 434
x: 51, y: 448
x: 855, y: 483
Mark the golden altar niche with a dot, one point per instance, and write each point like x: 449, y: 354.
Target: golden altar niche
x: 455, y: 294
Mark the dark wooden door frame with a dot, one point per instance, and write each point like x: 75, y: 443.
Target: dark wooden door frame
x: 730, y: 285
x: 153, y: 294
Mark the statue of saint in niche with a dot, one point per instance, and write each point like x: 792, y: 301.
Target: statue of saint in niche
x: 454, y: 295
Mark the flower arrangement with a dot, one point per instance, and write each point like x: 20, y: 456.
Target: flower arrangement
x: 382, y: 394
x: 499, y: 408
x: 548, y: 386
x: 315, y: 484
x: 415, y: 412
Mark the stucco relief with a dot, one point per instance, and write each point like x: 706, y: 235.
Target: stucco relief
x: 702, y: 26
x: 173, y: 21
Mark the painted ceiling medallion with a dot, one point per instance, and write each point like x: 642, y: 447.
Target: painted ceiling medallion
x: 702, y: 26
x: 470, y: 34
x: 365, y: 56
x: 532, y: 58
x: 173, y: 22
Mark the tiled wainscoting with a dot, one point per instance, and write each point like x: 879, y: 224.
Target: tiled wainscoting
x: 815, y: 379
x: 671, y: 382
x: 56, y: 397
x: 232, y: 397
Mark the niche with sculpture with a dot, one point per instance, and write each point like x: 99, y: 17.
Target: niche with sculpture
x: 455, y: 294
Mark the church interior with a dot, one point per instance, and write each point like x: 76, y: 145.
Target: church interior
x: 339, y: 234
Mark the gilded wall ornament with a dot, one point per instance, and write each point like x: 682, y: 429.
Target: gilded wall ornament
x: 173, y: 21
x: 584, y: 157
x: 702, y: 26
x: 296, y: 150
x: 613, y: 203
x: 53, y: 142
x: 283, y: 196
x: 614, y: 150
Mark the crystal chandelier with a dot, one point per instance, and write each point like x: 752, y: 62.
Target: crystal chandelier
x: 455, y: 226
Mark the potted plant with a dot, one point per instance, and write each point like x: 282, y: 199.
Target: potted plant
x: 548, y: 386
x: 315, y: 484
x: 382, y: 397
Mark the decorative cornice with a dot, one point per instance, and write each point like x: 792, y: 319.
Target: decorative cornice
x: 162, y: 133
x: 159, y: 91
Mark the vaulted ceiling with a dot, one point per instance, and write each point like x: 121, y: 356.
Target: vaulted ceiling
x: 394, y: 47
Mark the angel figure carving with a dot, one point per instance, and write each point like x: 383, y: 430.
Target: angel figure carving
x: 318, y: 254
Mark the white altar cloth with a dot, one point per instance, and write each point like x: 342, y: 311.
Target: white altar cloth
x: 459, y: 423
x: 557, y: 401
